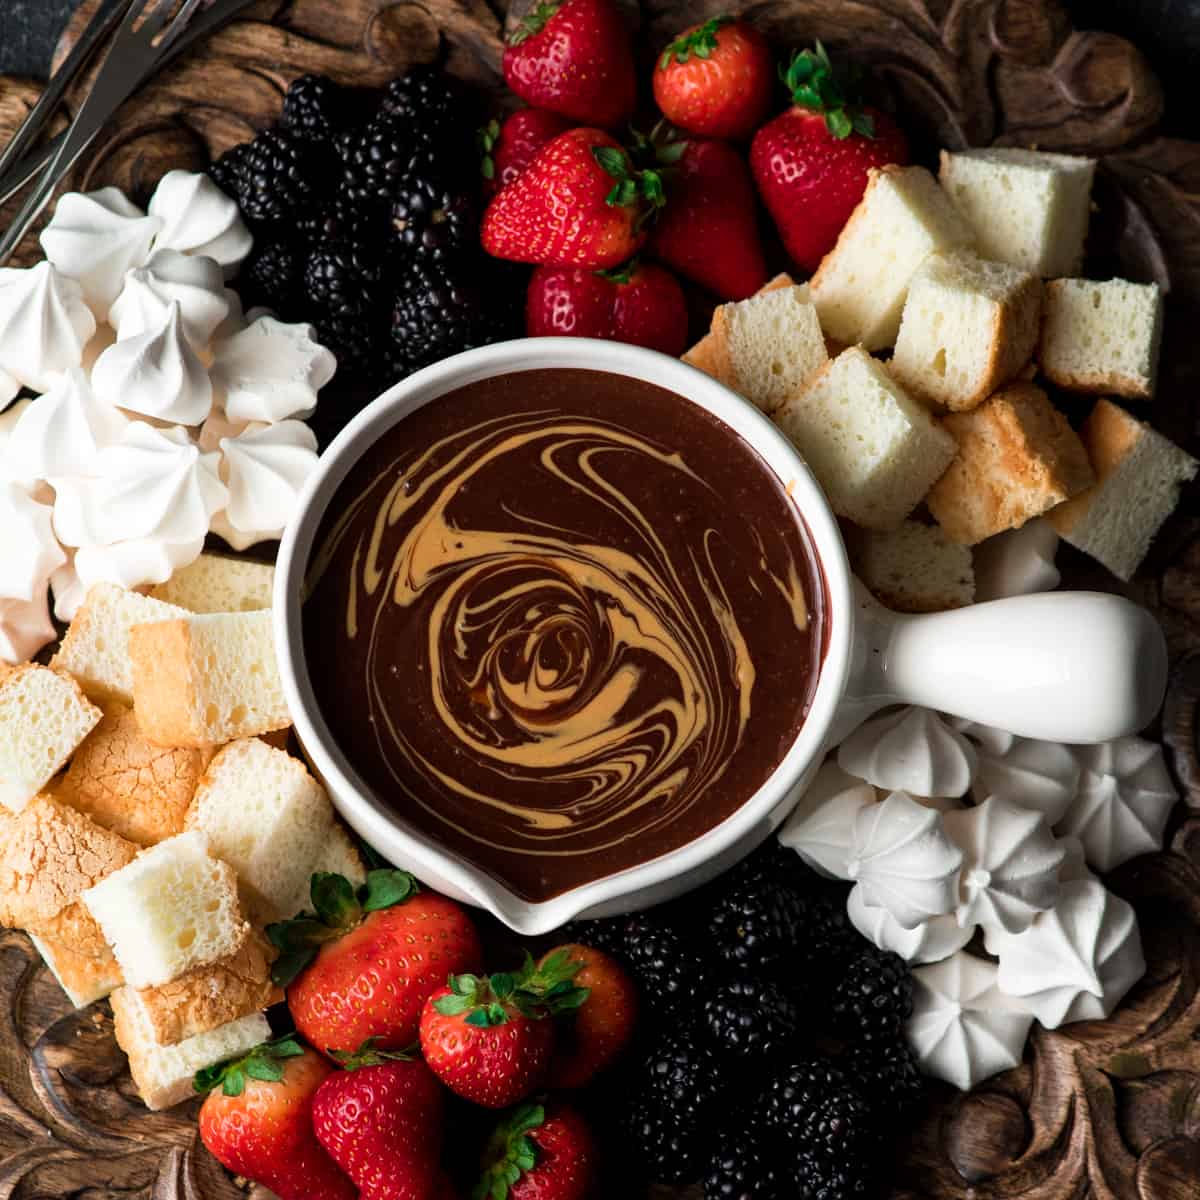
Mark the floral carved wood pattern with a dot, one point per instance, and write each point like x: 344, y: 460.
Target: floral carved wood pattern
x: 1109, y: 1109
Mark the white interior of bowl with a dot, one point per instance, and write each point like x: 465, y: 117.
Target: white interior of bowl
x: 658, y: 878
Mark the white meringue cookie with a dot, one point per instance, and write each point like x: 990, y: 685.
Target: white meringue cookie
x: 198, y: 218
x: 69, y: 592
x: 271, y: 371
x: 150, y: 484
x: 987, y: 738
x: 931, y: 941
x: 1075, y: 962
x: 196, y: 284
x: 1017, y: 562
x: 1010, y: 864
x: 265, y: 470
x: 963, y: 1029
x: 25, y: 627
x: 910, y: 750
x: 59, y: 434
x: 236, y: 321
x: 95, y: 237
x: 1033, y: 774
x: 219, y: 426
x: 821, y: 826
x: 1124, y: 799
x: 134, y: 563
x: 1074, y: 863
x: 903, y: 861
x: 9, y: 419
x: 156, y: 374
x: 44, y: 325
x: 29, y: 551
x: 9, y: 388
x: 942, y: 804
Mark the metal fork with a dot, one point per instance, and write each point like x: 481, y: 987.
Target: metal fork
x: 206, y: 22
x: 139, y: 47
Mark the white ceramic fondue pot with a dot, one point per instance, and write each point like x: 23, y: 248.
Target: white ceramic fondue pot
x: 1065, y: 666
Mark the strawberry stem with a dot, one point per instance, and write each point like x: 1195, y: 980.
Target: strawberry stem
x: 263, y: 1063
x: 532, y: 23
x: 816, y: 86
x: 337, y: 907
x: 534, y: 992
x: 632, y: 187
x: 510, y: 1152
x: 701, y: 42
x: 370, y: 1055
x: 486, y: 138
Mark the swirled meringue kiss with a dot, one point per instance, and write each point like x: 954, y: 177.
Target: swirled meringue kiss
x: 563, y: 622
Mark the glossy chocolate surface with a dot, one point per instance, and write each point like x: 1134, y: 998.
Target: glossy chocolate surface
x: 562, y: 622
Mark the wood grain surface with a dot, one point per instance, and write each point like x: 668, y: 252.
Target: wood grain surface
x: 1107, y: 1110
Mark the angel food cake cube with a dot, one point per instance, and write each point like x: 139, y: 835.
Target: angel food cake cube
x: 1026, y: 207
x: 128, y: 784
x: 265, y: 815
x: 1017, y: 458
x: 43, y: 717
x: 172, y: 909
x: 968, y: 327
x: 861, y: 285
x: 874, y: 450
x: 767, y: 347
x: 207, y: 678
x: 1102, y: 336
x: 1139, y: 474
x: 216, y: 583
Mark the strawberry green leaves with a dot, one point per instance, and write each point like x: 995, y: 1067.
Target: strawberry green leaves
x: 511, y: 1153
x: 264, y: 1062
x: 532, y: 23
x: 814, y: 84
x: 534, y: 992
x: 631, y: 186
x: 369, y: 1054
x: 337, y: 907
x: 701, y: 42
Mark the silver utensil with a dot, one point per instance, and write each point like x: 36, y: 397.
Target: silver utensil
x: 98, y: 28
x: 153, y: 33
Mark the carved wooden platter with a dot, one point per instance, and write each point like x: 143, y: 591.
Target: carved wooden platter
x: 1105, y: 1110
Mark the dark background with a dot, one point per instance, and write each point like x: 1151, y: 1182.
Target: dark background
x: 1168, y: 32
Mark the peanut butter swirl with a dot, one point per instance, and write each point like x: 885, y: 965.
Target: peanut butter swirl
x: 549, y: 631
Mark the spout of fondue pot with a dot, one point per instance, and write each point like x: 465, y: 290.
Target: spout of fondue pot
x: 1061, y: 666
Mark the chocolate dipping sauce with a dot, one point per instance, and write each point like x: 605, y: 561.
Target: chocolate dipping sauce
x: 562, y: 622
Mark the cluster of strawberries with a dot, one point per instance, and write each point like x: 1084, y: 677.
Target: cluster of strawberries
x: 384, y: 983
x: 568, y: 196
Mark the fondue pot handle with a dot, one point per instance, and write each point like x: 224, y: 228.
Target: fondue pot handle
x: 1061, y: 666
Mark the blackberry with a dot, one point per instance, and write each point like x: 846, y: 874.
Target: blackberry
x: 355, y: 343
x: 281, y: 177
x: 271, y: 276
x: 830, y: 940
x: 874, y: 997
x: 818, y: 1177
x: 227, y: 171
x: 814, y: 1106
x: 667, y: 1117
x: 744, y: 1166
x: 601, y: 933
x: 428, y: 98
x: 771, y: 865
x: 442, y: 310
x: 316, y: 109
x: 338, y: 219
x: 340, y: 278
x: 749, y: 1020
x: 757, y: 928
x: 888, y: 1076
x: 378, y: 159
x: 665, y: 968
x: 433, y: 221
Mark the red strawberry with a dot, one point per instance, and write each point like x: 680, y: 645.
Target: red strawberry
x: 716, y: 79
x: 381, y: 1121
x: 490, y: 1039
x: 363, y: 966
x: 509, y: 148
x: 811, y: 162
x: 575, y: 59
x: 708, y: 230
x: 637, y: 303
x: 257, y: 1121
x: 579, y: 203
x: 591, y: 1036
x: 539, y: 1153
